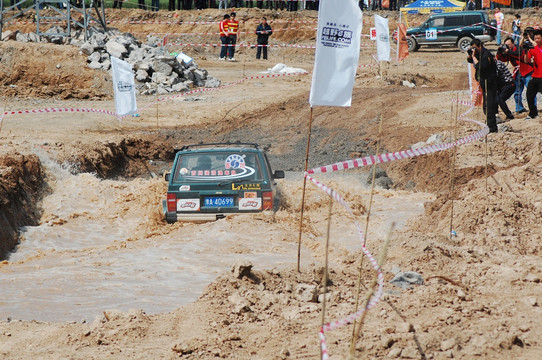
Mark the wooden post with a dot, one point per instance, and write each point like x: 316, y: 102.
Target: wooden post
x: 303, y: 196
x: 367, y: 218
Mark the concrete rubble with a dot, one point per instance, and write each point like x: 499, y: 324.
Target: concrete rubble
x: 157, y: 72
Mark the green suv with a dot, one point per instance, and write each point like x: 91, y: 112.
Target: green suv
x: 452, y: 29
x: 208, y: 181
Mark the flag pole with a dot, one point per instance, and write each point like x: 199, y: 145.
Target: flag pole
x: 3, y: 115
x: 367, y: 218
x: 303, y: 196
x: 327, y: 256
x: 398, y: 33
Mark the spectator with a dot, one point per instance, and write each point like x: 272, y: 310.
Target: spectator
x: 505, y: 88
x: 117, y: 2
x: 486, y: 75
x: 263, y: 31
x: 516, y: 29
x: 222, y: 4
x: 292, y: 5
x: 521, y: 76
x: 155, y: 5
x: 499, y: 16
x: 534, y: 56
x: 12, y: 2
x: 141, y: 4
x: 224, y: 37
x: 233, y: 29
x: 471, y: 5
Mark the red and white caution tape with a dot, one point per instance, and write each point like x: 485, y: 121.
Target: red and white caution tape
x: 371, y: 160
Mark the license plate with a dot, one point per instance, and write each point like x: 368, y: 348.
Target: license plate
x: 216, y: 201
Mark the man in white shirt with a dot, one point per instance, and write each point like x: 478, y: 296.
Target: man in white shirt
x: 499, y: 16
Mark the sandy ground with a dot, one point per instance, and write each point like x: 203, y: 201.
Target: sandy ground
x: 481, y: 296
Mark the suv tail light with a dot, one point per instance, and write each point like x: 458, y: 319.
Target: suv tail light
x: 267, y: 200
x: 171, y: 202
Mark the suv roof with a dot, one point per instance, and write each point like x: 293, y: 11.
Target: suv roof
x: 207, y: 146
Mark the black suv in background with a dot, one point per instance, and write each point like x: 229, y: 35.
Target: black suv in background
x: 454, y: 29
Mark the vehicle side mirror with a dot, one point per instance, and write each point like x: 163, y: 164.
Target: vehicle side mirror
x: 279, y: 174
x: 167, y: 176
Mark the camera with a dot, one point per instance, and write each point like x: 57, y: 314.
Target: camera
x: 469, y: 52
x: 527, y: 45
x: 502, y: 49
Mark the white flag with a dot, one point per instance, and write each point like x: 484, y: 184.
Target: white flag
x: 123, y: 86
x: 382, y: 38
x: 337, y: 53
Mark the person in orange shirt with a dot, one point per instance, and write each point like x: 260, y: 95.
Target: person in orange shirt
x: 224, y: 37
x: 233, y: 29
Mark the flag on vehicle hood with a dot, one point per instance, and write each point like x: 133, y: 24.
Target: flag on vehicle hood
x: 337, y: 53
x: 123, y: 87
x: 382, y: 38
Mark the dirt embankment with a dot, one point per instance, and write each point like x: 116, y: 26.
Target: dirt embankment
x: 21, y: 182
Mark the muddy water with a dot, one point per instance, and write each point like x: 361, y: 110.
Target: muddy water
x: 98, y: 247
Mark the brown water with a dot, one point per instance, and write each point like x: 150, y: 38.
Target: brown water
x: 99, y: 245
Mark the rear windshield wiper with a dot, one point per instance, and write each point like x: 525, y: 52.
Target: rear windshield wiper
x: 231, y: 182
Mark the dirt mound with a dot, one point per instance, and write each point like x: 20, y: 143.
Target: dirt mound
x: 21, y: 180
x: 48, y: 70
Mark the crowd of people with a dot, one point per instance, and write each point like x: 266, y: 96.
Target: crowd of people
x: 228, y: 29
x: 498, y: 84
x: 226, y: 4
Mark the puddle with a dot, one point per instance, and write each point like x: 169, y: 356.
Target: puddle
x: 89, y: 254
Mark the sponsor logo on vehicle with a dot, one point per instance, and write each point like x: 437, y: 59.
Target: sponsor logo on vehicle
x: 235, y: 161
x: 256, y: 186
x: 184, y: 188
x: 250, y: 203
x: 188, y: 205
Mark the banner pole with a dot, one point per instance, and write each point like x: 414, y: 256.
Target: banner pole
x: 303, y: 196
x: 452, y: 166
x: 157, y: 126
x: 3, y: 114
x: 326, y: 259
x: 368, y: 217
x: 371, y: 288
x: 398, y: 33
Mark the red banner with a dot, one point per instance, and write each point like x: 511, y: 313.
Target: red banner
x: 503, y: 2
x: 403, y: 46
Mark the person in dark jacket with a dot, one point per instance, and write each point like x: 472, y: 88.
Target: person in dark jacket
x: 486, y: 74
x: 263, y: 31
x: 505, y: 87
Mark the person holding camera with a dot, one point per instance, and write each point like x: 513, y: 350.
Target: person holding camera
x: 523, y: 73
x: 486, y: 75
x: 534, y: 56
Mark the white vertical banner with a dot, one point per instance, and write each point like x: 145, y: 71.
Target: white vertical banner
x: 123, y: 87
x: 382, y: 38
x: 337, y: 53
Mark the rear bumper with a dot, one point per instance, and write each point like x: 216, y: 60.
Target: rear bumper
x: 174, y: 217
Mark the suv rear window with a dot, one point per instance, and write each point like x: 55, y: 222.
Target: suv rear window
x: 217, y: 166
x: 472, y: 19
x: 453, y: 21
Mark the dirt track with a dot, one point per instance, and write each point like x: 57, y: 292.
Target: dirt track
x: 481, y: 297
